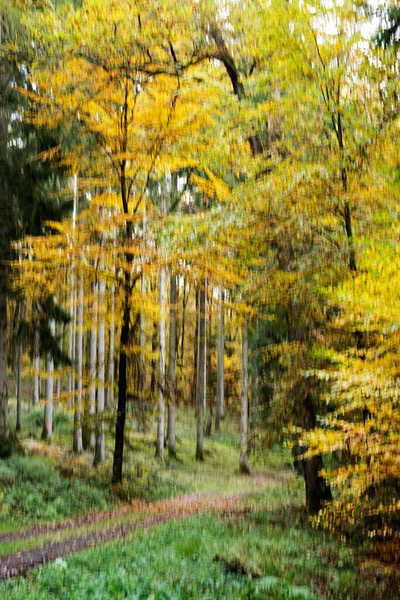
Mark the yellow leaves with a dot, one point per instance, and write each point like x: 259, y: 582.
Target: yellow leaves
x: 213, y: 187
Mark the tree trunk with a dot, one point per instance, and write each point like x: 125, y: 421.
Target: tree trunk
x: 193, y: 394
x: 201, y: 373
x: 72, y: 297
x: 122, y: 388
x: 161, y: 403
x: 59, y: 381
x: 154, y: 340
x: 172, y: 369
x: 89, y: 438
x: 254, y: 406
x: 47, y: 431
x: 19, y: 368
x: 110, y: 374
x: 77, y: 442
x: 219, y: 413
x: 99, y: 448
x: 36, y: 364
x: 244, y: 411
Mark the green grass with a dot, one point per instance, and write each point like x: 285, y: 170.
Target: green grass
x: 40, y: 540
x: 179, y: 560
x: 272, y: 539
x: 33, y: 491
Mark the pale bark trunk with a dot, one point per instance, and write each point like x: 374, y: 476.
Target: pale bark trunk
x: 72, y: 310
x: 110, y: 373
x: 99, y: 450
x: 36, y: 363
x: 19, y: 369
x: 92, y: 370
x: 193, y: 393
x: 77, y: 442
x: 47, y: 431
x: 220, y: 364
x: 161, y: 403
x: 59, y: 381
x: 244, y: 460
x: 162, y: 378
x: 172, y: 369
x: 142, y: 375
x: 201, y: 373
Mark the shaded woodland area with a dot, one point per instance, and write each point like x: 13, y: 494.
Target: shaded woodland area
x: 199, y: 244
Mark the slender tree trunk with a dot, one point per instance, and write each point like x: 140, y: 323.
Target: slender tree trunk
x: 154, y: 340
x: 219, y: 413
x: 77, y: 442
x: 172, y: 369
x: 123, y: 346
x: 19, y: 368
x: 201, y: 373
x: 193, y: 395
x: 244, y: 411
x: 142, y: 369
x: 99, y: 449
x: 90, y: 434
x: 72, y: 297
x: 184, y: 304
x: 254, y: 407
x: 59, y: 381
x: 161, y: 403
x: 47, y: 431
x: 110, y: 374
x: 36, y: 364
x: 142, y: 374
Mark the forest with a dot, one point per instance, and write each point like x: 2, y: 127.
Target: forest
x: 199, y: 299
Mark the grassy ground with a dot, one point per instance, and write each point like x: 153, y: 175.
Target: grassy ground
x: 266, y: 550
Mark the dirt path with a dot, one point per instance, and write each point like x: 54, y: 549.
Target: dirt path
x: 159, y: 513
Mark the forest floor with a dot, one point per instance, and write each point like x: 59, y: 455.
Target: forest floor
x: 182, y: 530
x: 78, y: 534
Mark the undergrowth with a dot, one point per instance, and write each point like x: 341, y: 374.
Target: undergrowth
x: 263, y: 554
x: 33, y: 490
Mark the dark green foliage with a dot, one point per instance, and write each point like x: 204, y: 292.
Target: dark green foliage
x: 389, y: 31
x: 34, y: 490
x: 10, y: 445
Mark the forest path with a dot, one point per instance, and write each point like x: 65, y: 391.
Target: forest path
x: 144, y: 516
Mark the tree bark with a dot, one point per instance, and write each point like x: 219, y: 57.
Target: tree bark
x: 162, y: 341
x: 122, y: 388
x: 77, y: 441
x: 36, y: 364
x: 244, y: 410
x: 219, y: 413
x: 193, y: 394
x: 47, y: 431
x: 110, y: 372
x: 91, y: 408
x: 19, y: 368
x: 99, y: 447
x: 201, y: 373
x: 172, y: 369
x: 142, y: 372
